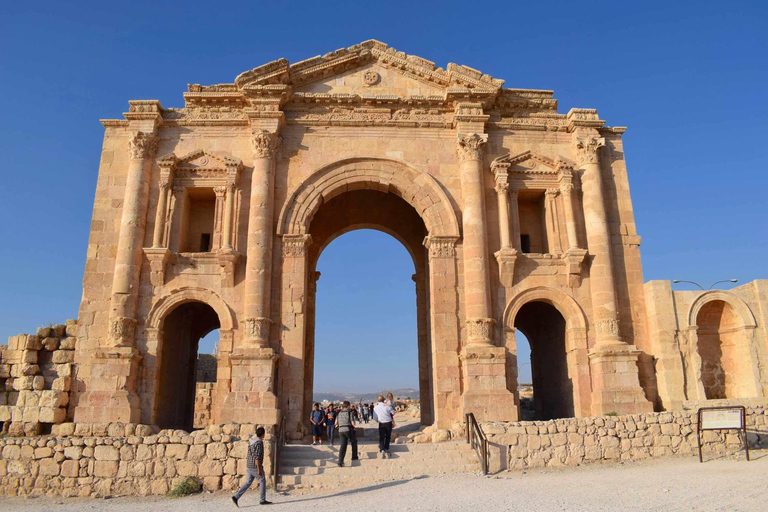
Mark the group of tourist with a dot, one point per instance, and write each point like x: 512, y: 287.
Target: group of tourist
x: 333, y: 419
x: 343, y: 419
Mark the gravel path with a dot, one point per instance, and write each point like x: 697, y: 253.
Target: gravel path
x: 668, y: 485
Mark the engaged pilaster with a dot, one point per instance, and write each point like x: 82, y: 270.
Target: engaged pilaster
x: 477, y: 286
x: 506, y: 256
x: 574, y: 255
x: 258, y: 270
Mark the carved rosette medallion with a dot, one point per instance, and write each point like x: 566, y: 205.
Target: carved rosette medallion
x: 295, y: 246
x: 608, y: 328
x: 470, y: 146
x: 143, y: 145
x: 122, y: 330
x: 265, y: 144
x: 371, y: 77
x: 587, y: 149
x: 257, y: 329
x: 441, y: 246
x: 480, y: 330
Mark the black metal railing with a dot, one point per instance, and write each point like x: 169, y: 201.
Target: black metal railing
x: 477, y: 441
x: 279, y: 443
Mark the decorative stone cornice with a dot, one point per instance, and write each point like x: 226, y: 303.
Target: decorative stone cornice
x: 583, y: 118
x: 295, y: 246
x: 470, y: 146
x: 441, y: 246
x: 587, y: 149
x: 143, y: 145
x: 265, y: 144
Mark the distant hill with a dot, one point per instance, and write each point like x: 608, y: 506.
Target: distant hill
x: 365, y: 397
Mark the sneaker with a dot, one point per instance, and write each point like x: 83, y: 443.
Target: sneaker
x: 321, y: 443
x: 265, y: 502
x: 314, y: 443
x: 234, y: 500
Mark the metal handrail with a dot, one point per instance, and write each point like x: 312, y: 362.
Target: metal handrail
x: 278, y: 451
x: 477, y: 441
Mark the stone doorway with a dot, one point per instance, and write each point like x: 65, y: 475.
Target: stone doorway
x: 388, y: 213
x: 545, y: 328
x: 176, y: 388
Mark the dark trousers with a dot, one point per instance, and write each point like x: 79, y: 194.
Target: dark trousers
x: 347, y: 437
x: 331, y: 432
x: 385, y: 435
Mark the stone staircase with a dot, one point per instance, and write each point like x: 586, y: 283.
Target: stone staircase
x: 306, y: 467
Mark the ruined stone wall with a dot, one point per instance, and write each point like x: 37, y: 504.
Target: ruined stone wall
x: 36, y: 374
x: 576, y: 441
x: 203, y: 400
x: 125, y: 459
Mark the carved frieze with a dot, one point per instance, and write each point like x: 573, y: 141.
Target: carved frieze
x: 295, y: 246
x: 470, y: 146
x: 203, y: 113
x: 608, y: 328
x: 143, y: 145
x: 122, y: 330
x: 587, y: 149
x: 480, y: 330
x: 257, y: 329
x: 441, y: 246
x: 265, y: 144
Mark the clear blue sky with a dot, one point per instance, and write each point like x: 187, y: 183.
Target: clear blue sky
x: 687, y: 78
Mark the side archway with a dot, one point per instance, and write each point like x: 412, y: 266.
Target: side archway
x: 417, y: 188
x: 169, y: 301
x: 723, y: 356
x: 555, y: 326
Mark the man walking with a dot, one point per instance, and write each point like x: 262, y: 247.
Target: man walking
x: 255, y: 466
x: 346, y: 425
x: 384, y: 414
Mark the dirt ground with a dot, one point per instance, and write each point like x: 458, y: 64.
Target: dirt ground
x: 667, y: 484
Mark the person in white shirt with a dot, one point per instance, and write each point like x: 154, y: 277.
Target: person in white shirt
x: 384, y: 414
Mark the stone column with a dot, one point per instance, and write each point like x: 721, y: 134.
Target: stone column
x: 604, y: 304
x: 574, y: 255
x: 477, y: 283
x: 515, y: 217
x: 293, y: 334
x: 226, y: 236
x: 444, y: 330
x: 162, y: 206
x: 613, y: 363
x: 125, y: 282
x: 258, y: 270
x: 553, y: 231
x: 506, y: 256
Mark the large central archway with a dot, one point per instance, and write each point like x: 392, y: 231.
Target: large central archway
x: 354, y: 194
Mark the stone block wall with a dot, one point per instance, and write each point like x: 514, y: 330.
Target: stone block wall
x: 203, y: 400
x: 118, y: 459
x: 576, y: 441
x: 36, y: 374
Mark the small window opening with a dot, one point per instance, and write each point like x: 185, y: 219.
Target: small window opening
x: 525, y: 243
x: 205, y: 242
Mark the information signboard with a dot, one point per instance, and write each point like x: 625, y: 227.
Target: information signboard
x: 722, y: 418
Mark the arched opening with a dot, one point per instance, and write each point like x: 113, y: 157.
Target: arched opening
x: 525, y: 378
x: 544, y: 328
x: 724, y: 373
x: 397, y: 354
x: 176, y: 392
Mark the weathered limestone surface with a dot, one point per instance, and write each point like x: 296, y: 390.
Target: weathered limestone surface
x: 577, y: 441
x: 517, y: 217
x: 125, y: 459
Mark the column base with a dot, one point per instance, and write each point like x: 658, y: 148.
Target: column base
x: 112, y: 396
x: 615, y: 382
x: 486, y: 395
x: 251, y: 398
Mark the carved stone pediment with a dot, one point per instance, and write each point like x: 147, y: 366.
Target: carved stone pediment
x: 218, y: 168
x: 356, y: 60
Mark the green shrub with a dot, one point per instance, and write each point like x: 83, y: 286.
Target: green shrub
x: 188, y: 486
x: 611, y: 414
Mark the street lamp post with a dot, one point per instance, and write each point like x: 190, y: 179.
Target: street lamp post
x: 713, y: 284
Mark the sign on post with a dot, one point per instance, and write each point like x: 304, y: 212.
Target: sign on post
x: 722, y: 418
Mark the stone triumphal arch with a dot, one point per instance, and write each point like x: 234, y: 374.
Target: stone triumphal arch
x: 517, y: 217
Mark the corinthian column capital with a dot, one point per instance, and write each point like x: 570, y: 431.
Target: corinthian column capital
x: 265, y: 144
x: 143, y: 145
x: 470, y: 146
x: 587, y: 148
